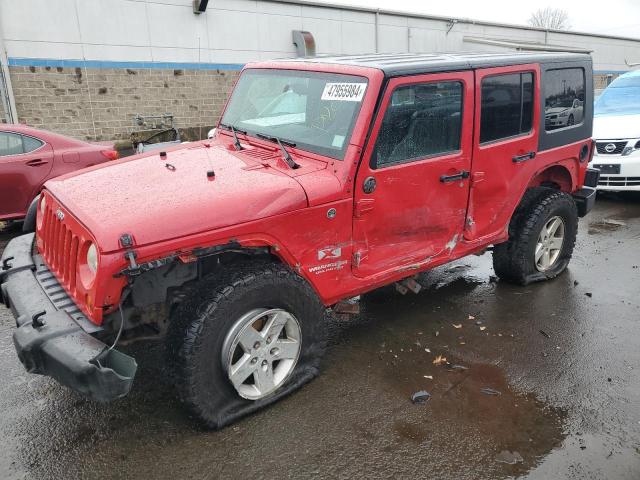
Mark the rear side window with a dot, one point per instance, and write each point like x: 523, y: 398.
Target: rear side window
x: 421, y: 120
x: 10, y: 144
x: 30, y: 144
x: 564, y: 98
x: 507, y: 106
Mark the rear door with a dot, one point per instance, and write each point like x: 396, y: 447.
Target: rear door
x: 505, y: 146
x: 25, y: 162
x: 412, y: 187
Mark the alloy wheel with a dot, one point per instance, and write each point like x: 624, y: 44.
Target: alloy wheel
x: 549, y: 244
x: 260, y: 351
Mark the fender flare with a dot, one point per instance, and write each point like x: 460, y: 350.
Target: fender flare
x: 29, y: 225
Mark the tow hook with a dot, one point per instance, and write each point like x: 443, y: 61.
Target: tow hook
x: 35, y: 319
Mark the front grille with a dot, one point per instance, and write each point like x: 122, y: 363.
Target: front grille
x: 60, y: 250
x: 59, y: 297
x: 601, y: 147
x: 619, y: 181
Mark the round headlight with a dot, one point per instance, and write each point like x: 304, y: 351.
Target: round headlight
x: 43, y: 204
x: 92, y: 258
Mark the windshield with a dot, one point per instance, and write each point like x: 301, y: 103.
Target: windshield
x: 622, y: 97
x: 316, y: 111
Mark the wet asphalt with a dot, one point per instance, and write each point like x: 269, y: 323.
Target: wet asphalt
x: 546, y: 376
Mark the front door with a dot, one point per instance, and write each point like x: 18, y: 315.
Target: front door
x: 412, y: 188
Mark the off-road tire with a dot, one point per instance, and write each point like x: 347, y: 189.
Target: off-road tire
x: 514, y: 260
x: 200, y: 323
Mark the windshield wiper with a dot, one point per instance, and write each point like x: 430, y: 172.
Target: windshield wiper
x: 287, y: 156
x: 233, y: 130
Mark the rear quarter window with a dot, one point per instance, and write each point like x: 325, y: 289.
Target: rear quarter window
x: 30, y: 144
x: 562, y: 82
x: 564, y: 101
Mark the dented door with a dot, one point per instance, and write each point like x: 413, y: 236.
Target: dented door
x: 412, y: 188
x: 506, y: 141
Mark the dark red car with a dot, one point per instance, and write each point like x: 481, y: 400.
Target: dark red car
x: 29, y: 157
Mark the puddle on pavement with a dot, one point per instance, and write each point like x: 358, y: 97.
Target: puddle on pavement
x: 606, y: 225
x: 500, y: 420
x: 474, y: 416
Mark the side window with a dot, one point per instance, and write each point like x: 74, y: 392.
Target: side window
x: 10, y: 144
x: 564, y: 98
x: 421, y: 120
x: 507, y: 106
x: 30, y: 144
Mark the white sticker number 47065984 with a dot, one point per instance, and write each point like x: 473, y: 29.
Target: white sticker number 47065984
x: 345, y: 92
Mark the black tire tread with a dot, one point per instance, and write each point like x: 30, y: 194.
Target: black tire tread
x: 510, y: 258
x: 200, y: 306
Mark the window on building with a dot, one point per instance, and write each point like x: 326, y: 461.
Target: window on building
x: 421, y: 120
x: 564, y: 98
x: 507, y: 106
x: 10, y: 144
x: 30, y: 144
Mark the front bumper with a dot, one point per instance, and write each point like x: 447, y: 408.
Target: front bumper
x: 629, y: 167
x: 49, y: 341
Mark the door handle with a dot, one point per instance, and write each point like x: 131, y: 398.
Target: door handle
x: 453, y: 178
x: 524, y: 158
x: 37, y: 162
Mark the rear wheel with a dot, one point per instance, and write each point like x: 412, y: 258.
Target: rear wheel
x: 542, y: 234
x: 246, y: 337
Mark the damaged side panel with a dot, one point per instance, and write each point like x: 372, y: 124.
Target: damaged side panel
x: 415, y: 186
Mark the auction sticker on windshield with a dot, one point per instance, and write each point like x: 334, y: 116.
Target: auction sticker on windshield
x: 345, y: 92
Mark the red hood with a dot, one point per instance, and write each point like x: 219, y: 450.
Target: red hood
x: 153, y: 202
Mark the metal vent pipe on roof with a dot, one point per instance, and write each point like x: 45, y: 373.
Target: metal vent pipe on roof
x: 200, y: 6
x: 305, y: 43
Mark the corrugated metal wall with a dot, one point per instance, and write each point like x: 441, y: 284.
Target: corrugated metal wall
x: 238, y: 31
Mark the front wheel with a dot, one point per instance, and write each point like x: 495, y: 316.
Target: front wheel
x: 542, y: 235
x: 246, y: 337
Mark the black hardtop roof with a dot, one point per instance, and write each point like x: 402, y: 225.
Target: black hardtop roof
x: 398, y: 64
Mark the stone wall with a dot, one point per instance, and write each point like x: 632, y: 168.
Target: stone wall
x: 101, y: 104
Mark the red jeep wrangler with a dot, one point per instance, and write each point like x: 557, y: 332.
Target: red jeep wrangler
x: 326, y: 178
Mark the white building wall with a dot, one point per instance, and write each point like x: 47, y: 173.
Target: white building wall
x: 237, y: 31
